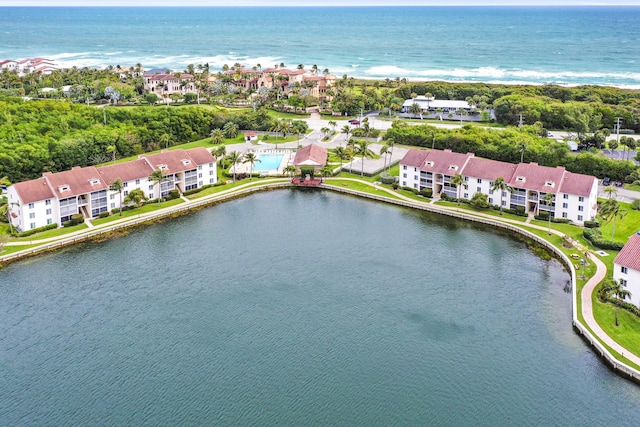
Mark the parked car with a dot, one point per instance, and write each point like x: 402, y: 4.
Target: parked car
x: 606, y: 181
x: 355, y: 122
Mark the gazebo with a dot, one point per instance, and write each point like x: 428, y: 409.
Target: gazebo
x: 308, y: 161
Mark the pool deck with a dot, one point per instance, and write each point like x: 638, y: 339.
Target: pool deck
x: 245, y: 168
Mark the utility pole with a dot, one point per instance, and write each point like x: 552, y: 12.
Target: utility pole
x: 618, y: 129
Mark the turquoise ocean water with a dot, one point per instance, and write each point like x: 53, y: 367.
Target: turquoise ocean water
x: 566, y: 45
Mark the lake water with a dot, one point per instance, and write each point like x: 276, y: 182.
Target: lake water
x: 299, y: 308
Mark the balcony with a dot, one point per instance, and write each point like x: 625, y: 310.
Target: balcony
x: 518, y: 200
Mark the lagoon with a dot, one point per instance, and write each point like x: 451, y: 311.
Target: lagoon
x: 300, y: 308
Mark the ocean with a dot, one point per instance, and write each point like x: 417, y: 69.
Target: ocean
x: 560, y: 45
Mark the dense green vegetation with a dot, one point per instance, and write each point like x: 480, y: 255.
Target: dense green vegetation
x: 38, y: 136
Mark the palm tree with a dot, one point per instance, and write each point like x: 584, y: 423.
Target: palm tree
x: 165, y: 139
x: 342, y: 154
x: 609, y: 211
x: 326, y: 170
x: 611, y: 191
x: 217, y: 136
x: 415, y: 109
x: 346, y: 129
x: 234, y: 158
x: 250, y: 158
x: 616, y: 289
x: 325, y: 132
x: 362, y: 149
x: 458, y: 181
x: 500, y: 185
x: 157, y: 178
x: 219, y: 152
x: 333, y: 125
x: 118, y: 186
x: 135, y: 197
x: 390, y: 144
x: 548, y: 200
x: 384, y: 151
x: 286, y: 127
x: 290, y: 170
x: 230, y: 130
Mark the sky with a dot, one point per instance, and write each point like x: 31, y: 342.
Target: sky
x: 155, y: 3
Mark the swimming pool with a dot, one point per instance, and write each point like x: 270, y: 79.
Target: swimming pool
x: 268, y: 162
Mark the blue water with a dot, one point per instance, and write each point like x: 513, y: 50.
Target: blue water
x: 568, y: 45
x: 269, y: 162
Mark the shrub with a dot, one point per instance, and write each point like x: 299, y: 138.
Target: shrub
x: 444, y: 197
x: 594, y: 235
x: 426, y: 192
x: 592, y: 224
x: 395, y: 185
x: 37, y: 230
x: 544, y: 216
x: 480, y: 200
x: 76, y: 219
x: 385, y: 178
x: 636, y: 204
x: 104, y: 214
x: 561, y: 220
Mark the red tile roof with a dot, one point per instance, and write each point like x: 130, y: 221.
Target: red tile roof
x: 311, y: 152
x: 167, y: 77
x: 578, y: 184
x: 535, y: 177
x: 200, y: 155
x: 414, y: 158
x: 33, y: 191
x: 489, y: 169
x: 127, y: 171
x: 629, y: 256
x: 445, y: 162
x: 76, y: 181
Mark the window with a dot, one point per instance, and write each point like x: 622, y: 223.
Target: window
x: 151, y: 195
x: 504, y: 203
x: 624, y: 283
x: 125, y: 184
x: 491, y: 200
x: 466, y: 179
x: 581, y: 208
x: 31, y: 206
x: 33, y: 225
x: 112, y: 197
x: 137, y: 181
x: 579, y: 217
x: 466, y: 195
x: 404, y: 175
x: 564, y: 215
x: 565, y: 205
x: 565, y: 196
x: 199, y: 167
x: 404, y: 183
x: 151, y: 188
x: 415, y: 185
x: 211, y: 173
x: 113, y: 205
x: 478, y: 189
x: 479, y: 181
x: 48, y: 211
x: 49, y: 221
x: 48, y: 202
x: 126, y: 193
x: 624, y: 270
x: 415, y: 177
x: 581, y: 199
x: 211, y: 181
x: 210, y: 165
x: 404, y: 167
x: 32, y: 215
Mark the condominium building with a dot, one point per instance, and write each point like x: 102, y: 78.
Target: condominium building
x: 55, y: 197
x: 626, y: 268
x: 574, y: 195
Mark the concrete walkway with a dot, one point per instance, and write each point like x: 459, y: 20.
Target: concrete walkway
x: 587, y: 312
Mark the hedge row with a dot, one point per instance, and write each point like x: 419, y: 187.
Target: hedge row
x: 37, y: 230
x: 594, y: 235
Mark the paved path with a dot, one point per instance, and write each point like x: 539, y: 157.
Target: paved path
x: 587, y: 312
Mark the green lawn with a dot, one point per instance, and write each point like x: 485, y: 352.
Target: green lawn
x: 359, y: 186
x: 56, y: 232
x: 632, y: 187
x: 149, y: 207
x: 625, y: 227
x: 472, y: 209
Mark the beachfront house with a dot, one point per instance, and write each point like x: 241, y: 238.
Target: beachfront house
x: 439, y: 108
x: 55, y: 197
x: 574, y: 195
x: 626, y: 268
x: 166, y: 84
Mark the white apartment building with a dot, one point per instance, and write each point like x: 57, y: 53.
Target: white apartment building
x: 626, y: 267
x: 575, y: 195
x: 55, y: 197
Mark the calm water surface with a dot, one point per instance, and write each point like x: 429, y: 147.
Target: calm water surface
x: 299, y: 308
